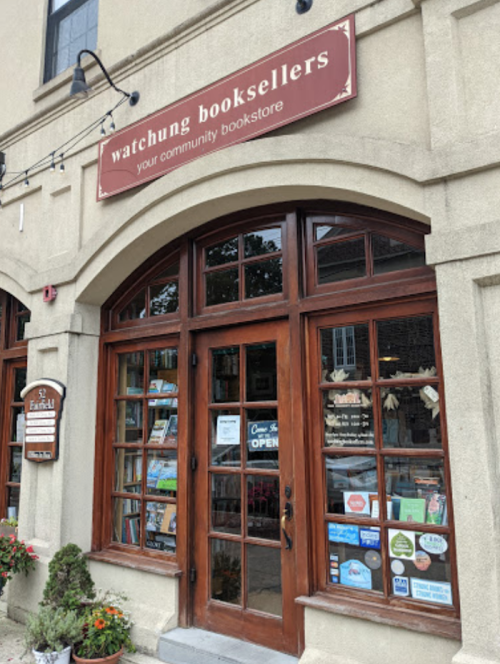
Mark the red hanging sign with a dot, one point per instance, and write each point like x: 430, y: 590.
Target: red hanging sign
x: 312, y: 74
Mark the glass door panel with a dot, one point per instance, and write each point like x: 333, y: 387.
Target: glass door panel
x: 243, y: 449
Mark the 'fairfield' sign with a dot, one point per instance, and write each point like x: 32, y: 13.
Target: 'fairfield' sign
x: 312, y: 74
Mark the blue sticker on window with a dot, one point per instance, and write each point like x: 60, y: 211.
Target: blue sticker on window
x: 338, y: 532
x: 369, y: 538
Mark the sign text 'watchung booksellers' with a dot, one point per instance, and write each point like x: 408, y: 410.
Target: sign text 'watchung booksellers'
x: 306, y: 77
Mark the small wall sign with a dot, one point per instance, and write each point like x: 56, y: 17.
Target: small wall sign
x: 43, y: 401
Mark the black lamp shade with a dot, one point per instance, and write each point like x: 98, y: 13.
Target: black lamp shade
x: 79, y: 87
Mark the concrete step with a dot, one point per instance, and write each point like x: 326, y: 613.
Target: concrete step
x: 195, y: 646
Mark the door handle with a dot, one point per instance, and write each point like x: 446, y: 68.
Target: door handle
x: 287, y: 514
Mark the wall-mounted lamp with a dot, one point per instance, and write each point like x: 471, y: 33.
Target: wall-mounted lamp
x: 303, y: 6
x: 79, y: 87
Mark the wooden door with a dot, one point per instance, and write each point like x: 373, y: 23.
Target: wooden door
x: 243, y: 526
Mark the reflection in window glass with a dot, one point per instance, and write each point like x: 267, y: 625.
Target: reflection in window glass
x: 129, y: 421
x: 131, y: 373
x: 13, y: 497
x: 161, y: 526
x: 135, y: 309
x: 226, y: 503
x: 406, y: 348
x: 226, y: 571
x: 222, y: 287
x: 261, y: 372
x: 128, y: 470
x: 354, y: 557
x: 220, y: 254
x: 410, y: 417
x: 164, y: 299
x: 16, y: 458
x: 342, y: 260
x: 348, y: 418
x: 19, y: 383
x: 263, y: 278
x: 226, y: 375
x: 345, y: 353
x: 264, y: 579
x: 263, y: 501
x: 262, y: 242
x: 390, y: 255
x: 163, y: 372
x: 22, y: 321
x: 352, y: 486
x: 420, y: 566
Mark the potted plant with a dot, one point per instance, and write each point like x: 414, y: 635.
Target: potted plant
x: 106, y: 633
x: 51, y: 633
x: 69, y: 586
x: 15, y: 557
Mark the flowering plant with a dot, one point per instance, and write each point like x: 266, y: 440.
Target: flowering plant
x: 15, y: 557
x: 106, y: 630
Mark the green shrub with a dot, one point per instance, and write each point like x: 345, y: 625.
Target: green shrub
x: 69, y: 586
x: 52, y: 630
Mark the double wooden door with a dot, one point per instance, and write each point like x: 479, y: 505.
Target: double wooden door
x: 243, y: 527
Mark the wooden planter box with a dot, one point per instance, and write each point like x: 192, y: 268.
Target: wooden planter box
x: 7, y: 530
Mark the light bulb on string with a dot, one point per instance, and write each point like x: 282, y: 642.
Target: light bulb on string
x: 26, y: 181
x: 112, y: 126
x: 103, y: 130
x: 52, y: 163
x: 61, y: 167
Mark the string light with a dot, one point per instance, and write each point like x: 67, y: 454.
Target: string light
x: 68, y: 146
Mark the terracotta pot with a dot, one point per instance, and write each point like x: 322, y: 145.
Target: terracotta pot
x: 110, y: 659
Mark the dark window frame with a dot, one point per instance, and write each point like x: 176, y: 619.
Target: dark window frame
x: 54, y: 19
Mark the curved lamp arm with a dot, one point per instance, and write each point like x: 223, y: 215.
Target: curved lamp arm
x: 79, y: 85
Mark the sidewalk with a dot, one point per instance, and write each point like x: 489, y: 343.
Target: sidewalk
x: 11, y: 642
x: 12, y: 646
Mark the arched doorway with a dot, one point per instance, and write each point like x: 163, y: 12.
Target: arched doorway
x: 272, y: 414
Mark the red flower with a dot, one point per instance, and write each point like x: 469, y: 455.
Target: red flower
x: 99, y: 623
x: 29, y: 549
x: 5, y: 574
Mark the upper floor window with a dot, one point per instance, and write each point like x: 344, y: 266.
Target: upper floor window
x: 71, y: 27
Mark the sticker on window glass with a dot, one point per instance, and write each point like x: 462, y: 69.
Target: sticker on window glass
x: 369, y: 538
x: 338, y: 532
x: 434, y: 544
x: 402, y: 544
x: 357, y: 502
x: 400, y: 586
x: 431, y: 591
x: 353, y: 573
x: 334, y: 568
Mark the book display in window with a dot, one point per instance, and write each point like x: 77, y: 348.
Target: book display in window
x: 148, y: 419
x: 370, y: 405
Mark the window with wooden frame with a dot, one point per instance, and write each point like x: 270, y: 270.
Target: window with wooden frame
x: 381, y: 522
x: 144, y: 489
x: 385, y: 514
x: 246, y: 267
x: 13, y: 359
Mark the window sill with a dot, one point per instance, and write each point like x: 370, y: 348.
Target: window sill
x: 64, y: 78
x: 138, y: 563
x: 437, y: 625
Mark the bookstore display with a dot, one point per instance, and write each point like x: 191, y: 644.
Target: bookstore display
x: 146, y: 466
x: 377, y: 404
